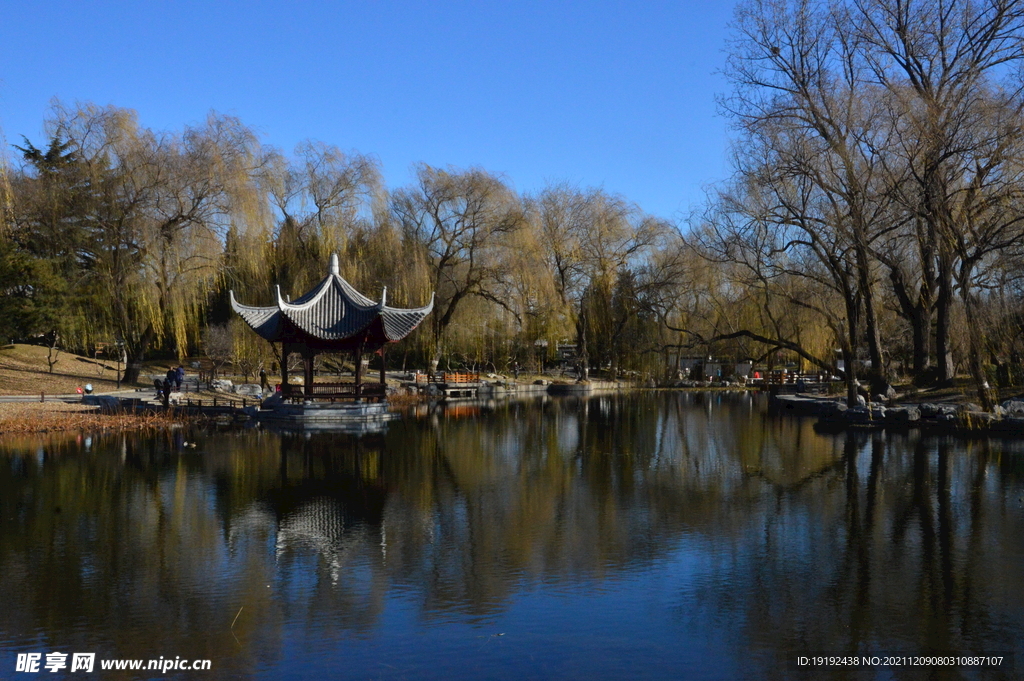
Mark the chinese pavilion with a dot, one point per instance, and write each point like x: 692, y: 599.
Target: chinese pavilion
x: 331, y: 317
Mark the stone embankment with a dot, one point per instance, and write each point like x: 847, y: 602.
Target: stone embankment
x: 586, y: 387
x: 182, y: 406
x: 499, y: 387
x: 1008, y: 419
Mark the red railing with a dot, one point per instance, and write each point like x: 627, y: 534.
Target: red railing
x: 459, y: 377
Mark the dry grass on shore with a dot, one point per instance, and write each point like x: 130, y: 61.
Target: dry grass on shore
x: 24, y: 371
x: 401, y: 400
x: 51, y: 417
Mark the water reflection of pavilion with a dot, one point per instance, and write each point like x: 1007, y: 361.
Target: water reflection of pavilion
x: 328, y: 500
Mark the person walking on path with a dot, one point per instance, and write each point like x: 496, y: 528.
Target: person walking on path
x: 179, y: 376
x: 264, y: 382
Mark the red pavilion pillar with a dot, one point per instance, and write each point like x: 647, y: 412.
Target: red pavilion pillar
x: 307, y: 358
x: 285, y: 351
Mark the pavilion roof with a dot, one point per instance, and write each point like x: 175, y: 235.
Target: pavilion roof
x: 332, y: 313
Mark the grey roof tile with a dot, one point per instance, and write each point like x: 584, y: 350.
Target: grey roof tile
x: 331, y: 311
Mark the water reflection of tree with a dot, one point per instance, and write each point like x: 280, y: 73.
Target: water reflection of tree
x: 115, y: 550
x: 578, y: 489
x: 907, y: 553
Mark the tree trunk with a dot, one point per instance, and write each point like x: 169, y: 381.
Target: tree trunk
x: 917, y: 310
x: 849, y: 349
x: 920, y: 325
x: 922, y: 317
x: 581, y: 345
x: 974, y: 353
x: 877, y: 372
x: 943, y: 309
x: 52, y: 351
x: 135, y: 354
x: 850, y: 374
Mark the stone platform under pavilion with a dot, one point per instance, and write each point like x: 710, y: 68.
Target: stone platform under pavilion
x: 355, y: 416
x: 330, y: 318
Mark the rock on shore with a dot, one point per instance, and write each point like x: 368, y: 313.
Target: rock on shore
x: 967, y: 418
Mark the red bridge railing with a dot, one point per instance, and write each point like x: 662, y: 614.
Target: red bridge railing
x: 459, y: 377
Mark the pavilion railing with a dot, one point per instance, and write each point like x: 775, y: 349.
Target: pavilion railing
x: 333, y: 391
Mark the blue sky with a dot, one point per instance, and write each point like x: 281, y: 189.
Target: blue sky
x: 618, y: 95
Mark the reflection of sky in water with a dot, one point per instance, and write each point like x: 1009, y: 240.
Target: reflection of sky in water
x: 669, y: 536
x: 584, y: 629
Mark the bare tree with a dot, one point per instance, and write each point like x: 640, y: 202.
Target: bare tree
x: 219, y: 346
x: 770, y: 237
x: 960, y: 135
x: 872, y: 125
x: 801, y: 93
x: 462, y: 221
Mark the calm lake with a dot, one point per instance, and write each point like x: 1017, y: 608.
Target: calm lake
x: 647, y: 536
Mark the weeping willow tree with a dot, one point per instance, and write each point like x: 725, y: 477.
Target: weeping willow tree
x: 156, y: 208
x: 770, y: 293
x: 534, y: 310
x: 320, y: 201
x: 590, y: 239
x: 321, y: 198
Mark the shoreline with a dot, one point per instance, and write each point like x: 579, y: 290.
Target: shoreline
x: 958, y: 419
x: 59, y: 416
x: 27, y: 418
